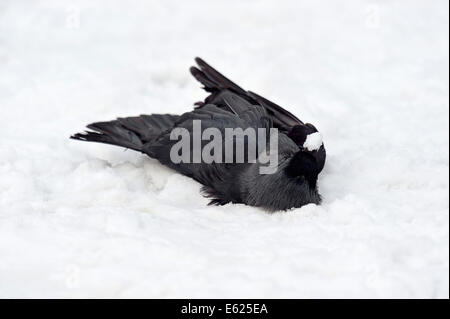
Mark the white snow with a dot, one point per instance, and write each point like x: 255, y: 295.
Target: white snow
x: 90, y: 220
x: 313, y: 141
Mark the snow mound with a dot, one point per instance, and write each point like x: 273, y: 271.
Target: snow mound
x: 313, y: 141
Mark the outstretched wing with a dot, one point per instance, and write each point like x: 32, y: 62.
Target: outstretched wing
x: 222, y: 88
x: 215, y: 83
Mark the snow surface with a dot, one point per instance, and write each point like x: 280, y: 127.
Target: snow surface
x: 313, y: 141
x: 91, y: 220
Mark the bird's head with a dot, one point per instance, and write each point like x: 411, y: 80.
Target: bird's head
x: 309, y: 140
x: 303, y: 164
x: 306, y: 136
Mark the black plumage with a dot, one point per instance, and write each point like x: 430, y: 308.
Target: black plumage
x: 294, y: 183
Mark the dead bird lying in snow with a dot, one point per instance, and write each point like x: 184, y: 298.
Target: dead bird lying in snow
x: 299, y: 153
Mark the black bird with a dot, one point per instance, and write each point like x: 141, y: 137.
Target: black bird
x: 301, y: 154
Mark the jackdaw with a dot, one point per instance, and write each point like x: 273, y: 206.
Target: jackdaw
x: 300, y: 154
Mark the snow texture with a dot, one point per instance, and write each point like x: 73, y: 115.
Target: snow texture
x: 313, y: 141
x: 90, y: 220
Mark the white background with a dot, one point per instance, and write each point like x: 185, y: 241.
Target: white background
x: 91, y: 220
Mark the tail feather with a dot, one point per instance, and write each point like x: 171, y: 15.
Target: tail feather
x: 129, y: 132
x: 110, y: 133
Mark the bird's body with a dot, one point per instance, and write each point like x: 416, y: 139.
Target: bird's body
x: 300, y: 155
